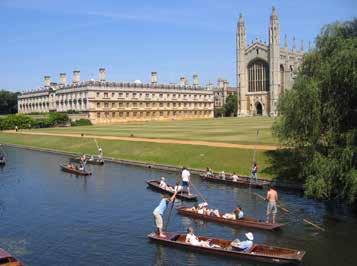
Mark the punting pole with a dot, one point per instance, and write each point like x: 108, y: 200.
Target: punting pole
x: 96, y: 144
x: 198, y: 192
x: 255, y: 147
x: 287, y: 211
x: 168, y: 218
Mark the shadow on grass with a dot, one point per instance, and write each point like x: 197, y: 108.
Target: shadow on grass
x: 285, y: 165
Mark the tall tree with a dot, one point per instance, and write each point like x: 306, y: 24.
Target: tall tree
x: 318, y: 117
x: 230, y: 107
x: 8, y: 102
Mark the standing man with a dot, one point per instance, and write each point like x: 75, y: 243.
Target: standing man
x: 185, y: 175
x: 159, y: 212
x: 272, y: 199
x: 100, y: 156
x: 254, y: 172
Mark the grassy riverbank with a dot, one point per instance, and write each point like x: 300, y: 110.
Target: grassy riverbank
x: 193, y: 156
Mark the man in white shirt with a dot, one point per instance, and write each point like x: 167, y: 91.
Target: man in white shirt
x: 185, y: 175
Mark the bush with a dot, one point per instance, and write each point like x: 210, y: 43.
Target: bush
x: 56, y: 119
x: 42, y: 123
x: 81, y: 122
x: 11, y: 121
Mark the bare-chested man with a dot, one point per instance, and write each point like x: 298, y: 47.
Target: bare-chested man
x: 272, y: 199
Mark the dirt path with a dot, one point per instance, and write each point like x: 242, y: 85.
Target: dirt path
x: 166, y: 141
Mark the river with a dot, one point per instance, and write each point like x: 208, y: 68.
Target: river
x: 48, y: 217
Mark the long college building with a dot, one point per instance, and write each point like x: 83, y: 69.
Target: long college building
x: 264, y: 71
x: 111, y: 102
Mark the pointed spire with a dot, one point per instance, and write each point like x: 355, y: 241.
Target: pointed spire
x: 302, y: 46
x: 286, y: 41
x: 274, y: 14
x: 241, y: 20
x: 294, y: 44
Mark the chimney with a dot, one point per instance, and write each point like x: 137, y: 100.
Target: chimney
x: 63, y: 79
x: 196, y: 81
x: 153, y: 78
x: 183, y: 81
x: 76, y: 77
x: 102, y: 74
x: 47, y: 81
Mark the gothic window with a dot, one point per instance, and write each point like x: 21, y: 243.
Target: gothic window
x: 258, y: 76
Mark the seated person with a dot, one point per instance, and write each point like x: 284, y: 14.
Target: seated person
x: 215, y: 213
x: 163, y: 183
x: 70, y: 166
x: 208, y: 172
x: 194, y: 208
x: 81, y: 167
x: 235, y: 177
x: 244, y: 245
x: 239, y: 213
x: 178, y: 187
x: 229, y: 215
x: 194, y: 241
x: 222, y: 175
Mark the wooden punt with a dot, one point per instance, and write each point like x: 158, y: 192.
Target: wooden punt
x: 242, y: 181
x: 74, y: 171
x: 244, y: 222
x: 6, y: 259
x: 258, y: 252
x: 3, y: 161
x: 154, y: 184
x: 95, y: 161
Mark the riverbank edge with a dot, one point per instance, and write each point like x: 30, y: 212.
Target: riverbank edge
x: 165, y: 167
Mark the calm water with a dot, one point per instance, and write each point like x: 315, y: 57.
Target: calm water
x: 48, y: 217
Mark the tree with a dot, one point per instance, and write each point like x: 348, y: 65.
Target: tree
x: 318, y: 117
x: 230, y: 107
x: 8, y: 102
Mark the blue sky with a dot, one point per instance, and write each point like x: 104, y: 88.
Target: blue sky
x: 132, y: 38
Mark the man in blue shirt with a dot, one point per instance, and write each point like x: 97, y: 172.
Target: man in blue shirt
x: 159, y: 211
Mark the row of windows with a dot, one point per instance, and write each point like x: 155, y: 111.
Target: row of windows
x: 149, y: 114
x: 147, y: 95
x: 151, y: 104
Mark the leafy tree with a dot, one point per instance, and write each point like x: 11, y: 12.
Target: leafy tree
x: 8, y: 102
x: 230, y: 107
x: 318, y: 117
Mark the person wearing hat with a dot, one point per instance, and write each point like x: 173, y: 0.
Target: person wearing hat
x: 244, y: 245
x: 159, y: 212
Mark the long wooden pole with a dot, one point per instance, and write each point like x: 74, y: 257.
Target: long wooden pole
x: 96, y: 144
x: 3, y: 150
x: 168, y: 218
x: 287, y: 211
x: 255, y: 147
x: 198, y: 192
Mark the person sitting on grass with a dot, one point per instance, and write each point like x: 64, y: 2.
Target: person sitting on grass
x: 244, y: 245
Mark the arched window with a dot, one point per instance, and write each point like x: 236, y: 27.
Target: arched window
x: 258, y: 76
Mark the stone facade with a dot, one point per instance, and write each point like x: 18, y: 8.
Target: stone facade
x: 111, y: 102
x: 221, y: 92
x: 264, y: 71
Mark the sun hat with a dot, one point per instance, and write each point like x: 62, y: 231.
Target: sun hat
x: 249, y: 236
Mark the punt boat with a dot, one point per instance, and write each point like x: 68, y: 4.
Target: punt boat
x: 6, y: 259
x: 258, y: 252
x: 74, y: 171
x: 90, y: 160
x: 155, y: 185
x: 244, y: 222
x: 3, y: 161
x: 241, y: 182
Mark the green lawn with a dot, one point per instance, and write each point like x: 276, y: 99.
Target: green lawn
x: 199, y: 157
x: 231, y: 130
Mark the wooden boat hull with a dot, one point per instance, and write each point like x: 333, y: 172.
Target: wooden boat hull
x: 243, y: 182
x: 154, y: 185
x: 258, y: 252
x: 73, y: 171
x: 94, y: 162
x: 245, y: 222
x: 6, y: 259
x: 3, y: 162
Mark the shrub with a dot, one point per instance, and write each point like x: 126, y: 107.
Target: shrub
x: 81, y: 122
x: 10, y: 121
x: 56, y: 119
